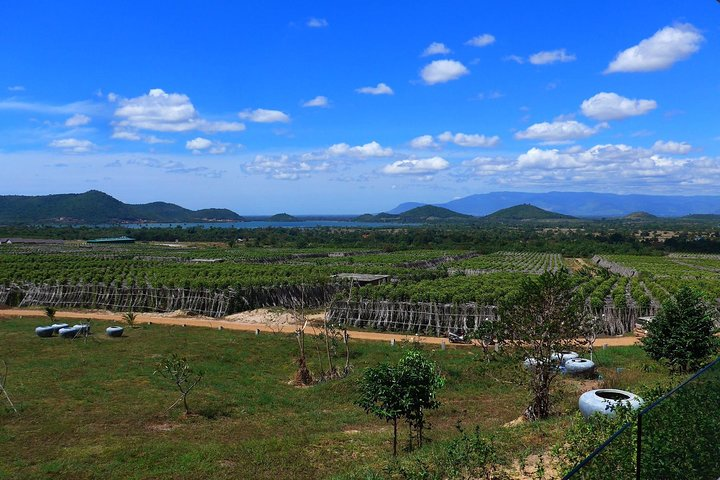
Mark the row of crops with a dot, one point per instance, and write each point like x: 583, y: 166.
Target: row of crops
x: 662, y: 276
x: 418, y: 275
x: 521, y: 262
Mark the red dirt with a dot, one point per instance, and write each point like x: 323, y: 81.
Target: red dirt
x: 251, y: 327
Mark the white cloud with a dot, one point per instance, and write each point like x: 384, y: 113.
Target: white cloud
x: 551, y: 159
x: 317, y: 23
x: 132, y: 136
x: 416, y: 166
x: 319, y: 101
x: 436, y: 48
x: 423, y: 142
x: 77, y: 120
x: 469, y: 140
x: 559, y: 132
x: 16, y: 88
x: 372, y: 149
x: 284, y: 167
x: 380, y: 89
x: 659, y: 52
x: 166, y: 112
x: 73, y: 145
x: 611, y: 106
x: 85, y: 107
x: 200, y: 145
x: 674, y: 148
x: 441, y: 71
x: 551, y: 56
x: 481, y: 40
x: 262, y: 115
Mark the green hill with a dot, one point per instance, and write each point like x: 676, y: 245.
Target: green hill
x: 95, y: 207
x: 639, y: 216
x: 526, y: 212
x: 431, y: 213
x: 425, y: 213
x: 283, y: 217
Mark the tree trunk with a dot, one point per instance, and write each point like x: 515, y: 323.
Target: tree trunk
x: 395, y: 437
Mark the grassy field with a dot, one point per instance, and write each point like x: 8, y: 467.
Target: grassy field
x: 93, y: 409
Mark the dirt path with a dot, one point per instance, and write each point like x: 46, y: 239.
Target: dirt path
x: 251, y: 327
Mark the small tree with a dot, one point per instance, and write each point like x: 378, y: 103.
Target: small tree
x: 404, y: 390
x: 50, y: 313
x: 178, y: 370
x: 542, y: 318
x: 420, y: 379
x: 681, y: 334
x: 381, y: 395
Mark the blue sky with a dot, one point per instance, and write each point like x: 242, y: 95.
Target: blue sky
x: 349, y: 107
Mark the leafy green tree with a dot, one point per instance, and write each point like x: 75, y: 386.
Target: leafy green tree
x: 543, y: 317
x: 381, y: 394
x: 405, y: 390
x: 50, y: 313
x: 681, y: 334
x: 420, y: 380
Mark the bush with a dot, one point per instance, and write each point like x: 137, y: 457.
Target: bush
x: 681, y: 334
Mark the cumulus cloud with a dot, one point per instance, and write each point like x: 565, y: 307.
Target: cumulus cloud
x: 319, y: 101
x: 284, y: 167
x: 481, y: 40
x: 165, y: 112
x: 552, y: 159
x: 262, y: 115
x: 317, y: 23
x: 416, y: 166
x: 559, y: 132
x: 423, y: 142
x: 604, y: 166
x: 372, y: 149
x: 659, y: 52
x: 673, y: 148
x: 441, y: 71
x: 469, y: 140
x: 73, y: 145
x: 202, y: 145
x: 77, y: 120
x: 611, y: 106
x: 551, y: 56
x: 380, y: 89
x: 436, y: 48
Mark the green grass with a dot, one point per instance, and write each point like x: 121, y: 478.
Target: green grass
x: 94, y: 409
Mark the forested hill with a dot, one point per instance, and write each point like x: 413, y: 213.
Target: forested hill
x: 526, y: 212
x: 94, y: 207
x: 425, y: 213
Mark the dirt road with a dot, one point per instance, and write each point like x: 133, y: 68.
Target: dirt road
x: 251, y: 327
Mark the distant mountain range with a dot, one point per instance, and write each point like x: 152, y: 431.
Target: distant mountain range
x: 580, y: 204
x: 94, y: 207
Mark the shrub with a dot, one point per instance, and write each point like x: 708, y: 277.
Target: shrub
x: 681, y: 334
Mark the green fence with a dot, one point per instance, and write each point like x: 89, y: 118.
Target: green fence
x: 675, y: 437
